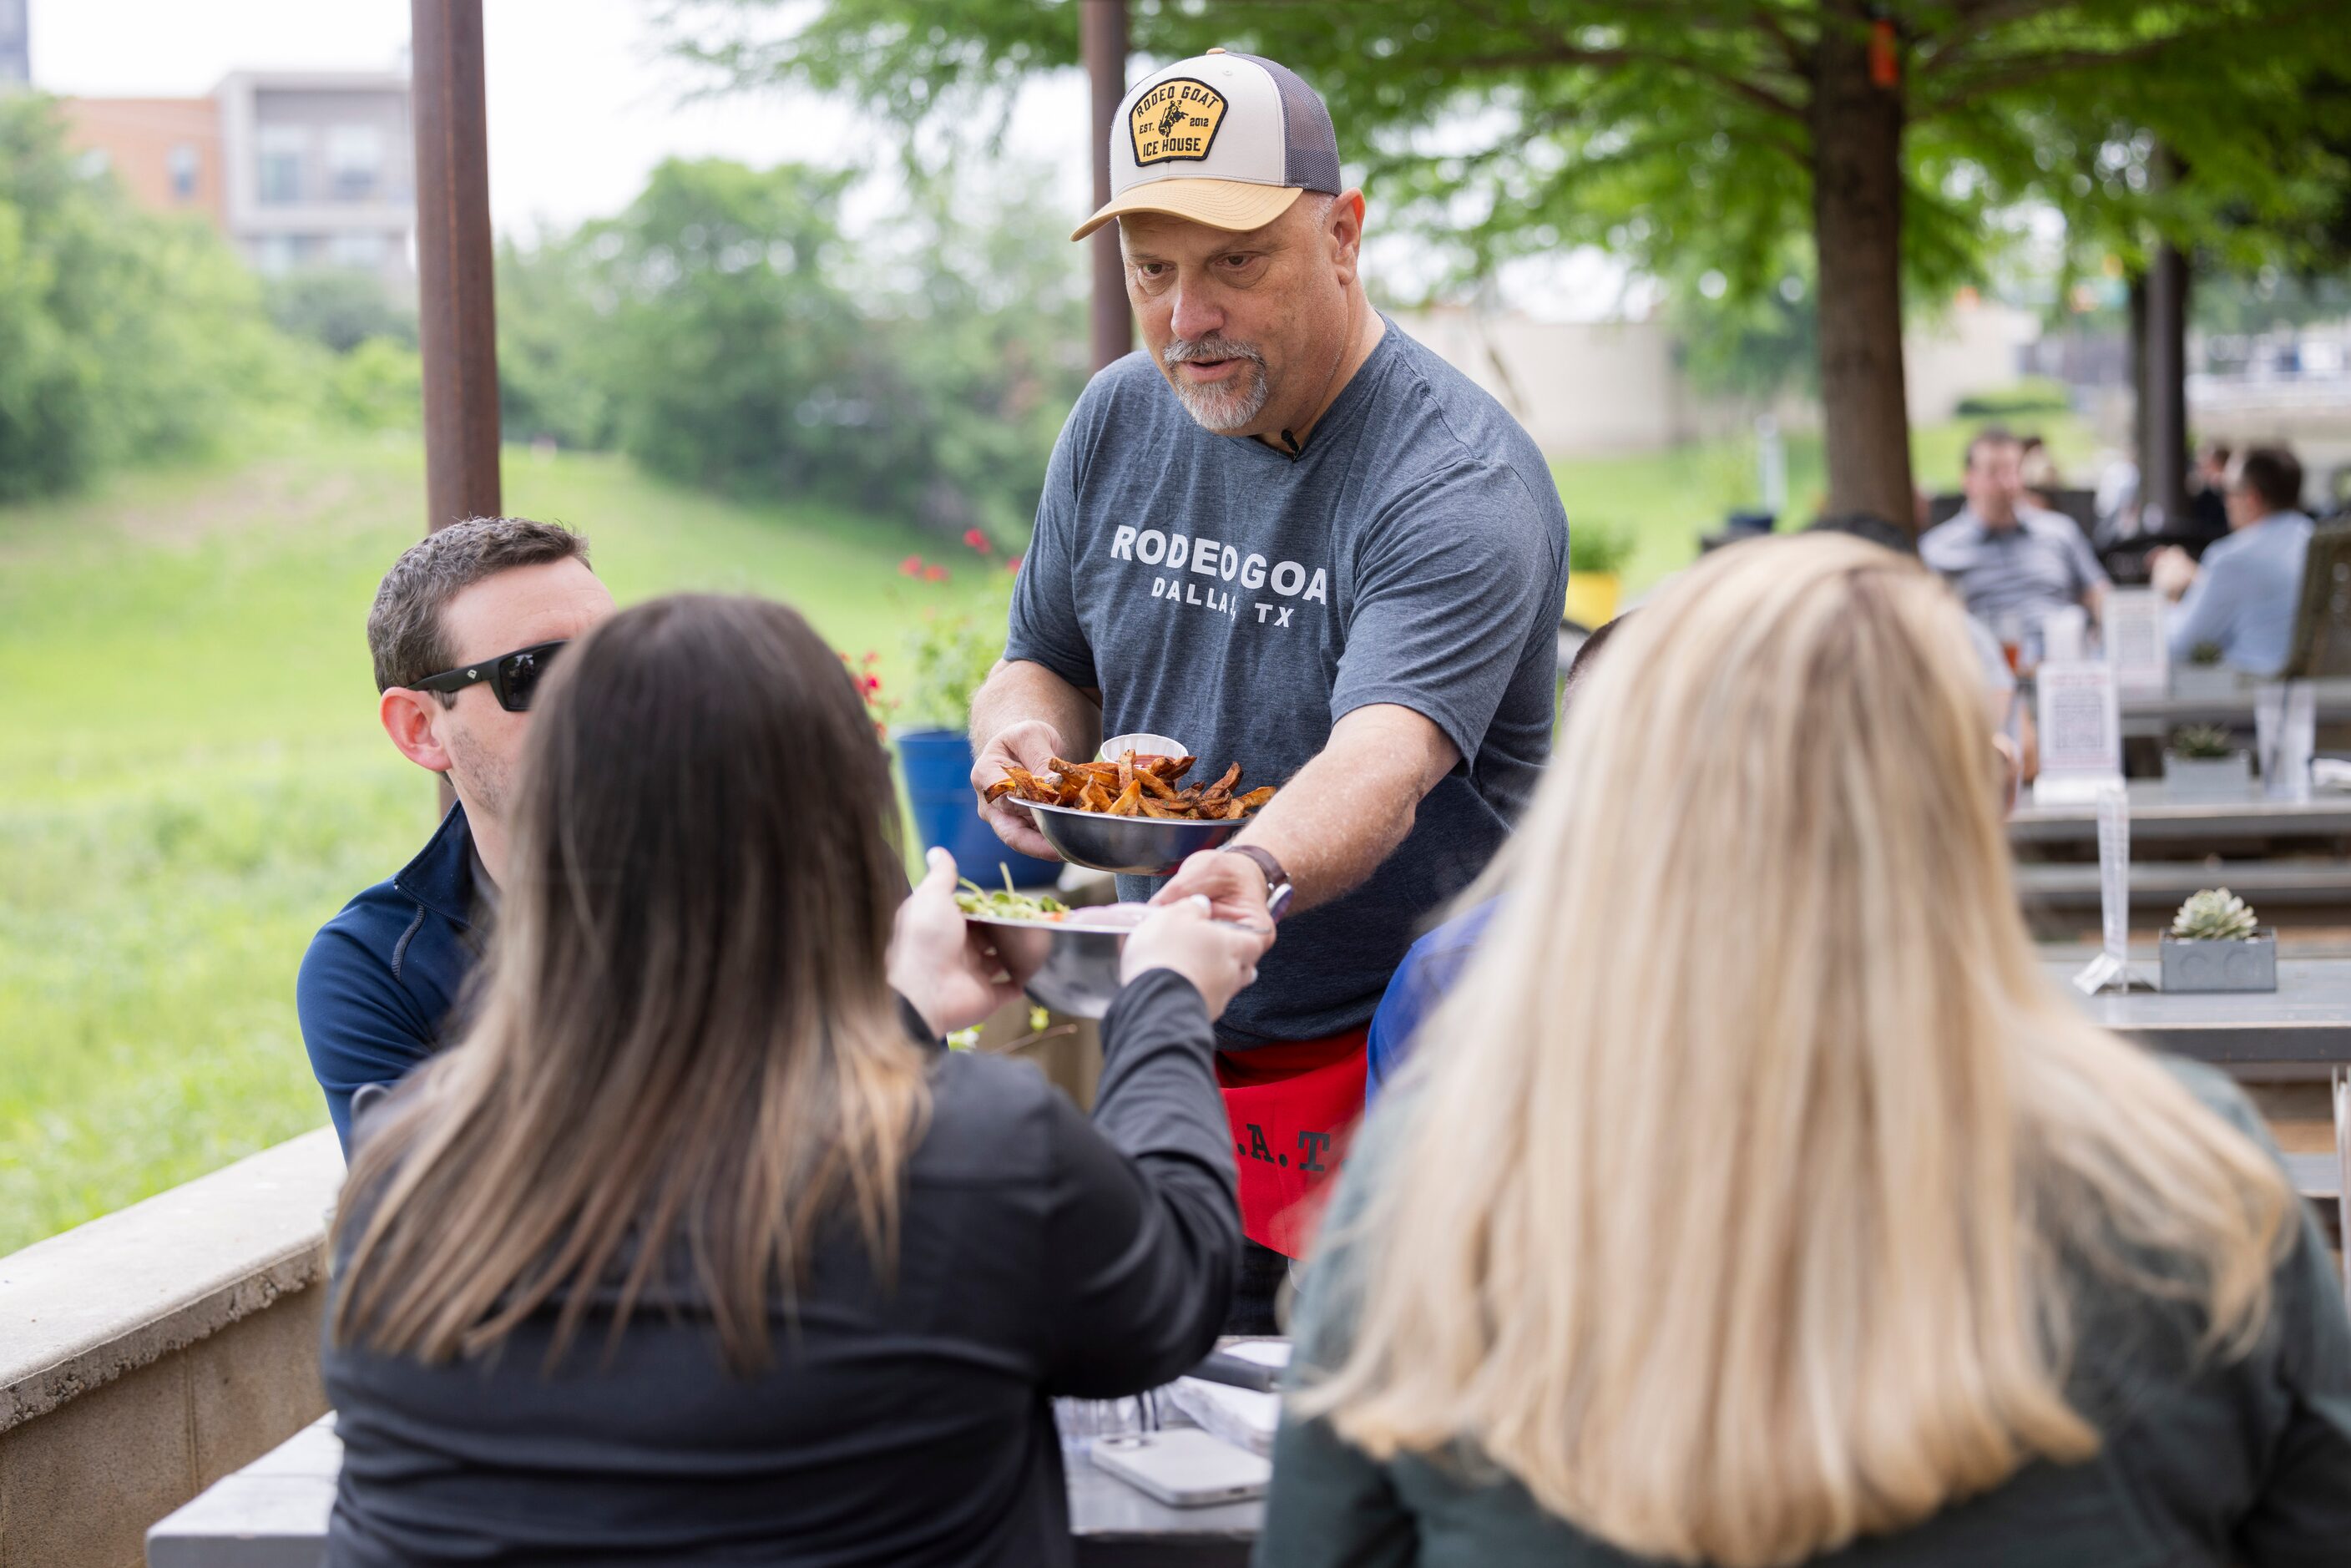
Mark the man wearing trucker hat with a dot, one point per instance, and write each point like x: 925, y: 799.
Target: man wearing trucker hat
x: 1286, y: 535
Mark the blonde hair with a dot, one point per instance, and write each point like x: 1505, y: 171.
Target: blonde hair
x: 1752, y: 1151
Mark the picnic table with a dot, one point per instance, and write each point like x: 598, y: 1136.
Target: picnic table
x: 2197, y: 835
x: 273, y: 1515
x: 2154, y: 716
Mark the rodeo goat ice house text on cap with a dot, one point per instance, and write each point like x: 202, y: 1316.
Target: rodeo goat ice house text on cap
x: 1223, y: 140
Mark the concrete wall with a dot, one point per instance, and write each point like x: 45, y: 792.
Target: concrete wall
x: 1602, y: 387
x: 146, y: 1354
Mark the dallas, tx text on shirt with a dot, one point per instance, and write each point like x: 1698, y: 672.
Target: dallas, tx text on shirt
x: 1181, y: 558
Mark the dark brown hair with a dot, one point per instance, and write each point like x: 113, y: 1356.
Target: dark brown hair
x: 1990, y: 436
x: 2275, y: 475
x: 404, y: 624
x: 685, y: 1037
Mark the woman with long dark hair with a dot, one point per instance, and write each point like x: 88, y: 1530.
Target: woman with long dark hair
x: 692, y: 1250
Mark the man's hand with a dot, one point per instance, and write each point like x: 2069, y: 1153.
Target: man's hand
x: 1217, y: 958
x: 1030, y: 744
x: 940, y: 962
x: 1233, y: 885
x: 2170, y: 570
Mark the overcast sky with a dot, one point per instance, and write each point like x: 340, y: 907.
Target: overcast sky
x: 582, y: 101
x: 582, y: 105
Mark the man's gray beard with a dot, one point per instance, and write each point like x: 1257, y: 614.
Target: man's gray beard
x: 1215, y: 408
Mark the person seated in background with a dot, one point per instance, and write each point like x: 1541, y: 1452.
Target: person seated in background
x: 2011, y: 562
x: 1763, y: 1199
x: 2243, y: 597
x: 464, y: 625
x: 697, y: 1248
x: 2207, y: 522
x: 2037, y: 478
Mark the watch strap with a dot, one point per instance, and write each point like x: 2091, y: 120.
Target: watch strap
x: 1279, y: 889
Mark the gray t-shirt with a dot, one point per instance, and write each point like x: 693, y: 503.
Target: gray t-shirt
x: 2042, y: 564
x: 1240, y: 602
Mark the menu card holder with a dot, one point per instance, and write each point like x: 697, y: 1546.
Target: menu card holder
x: 2081, y: 732
x: 2136, y: 646
x: 2111, y: 970
x: 2285, y: 733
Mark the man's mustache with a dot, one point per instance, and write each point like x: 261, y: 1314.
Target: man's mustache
x: 1180, y: 350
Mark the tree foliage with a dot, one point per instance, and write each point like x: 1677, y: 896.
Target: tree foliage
x: 123, y: 337
x: 1686, y: 136
x: 724, y: 330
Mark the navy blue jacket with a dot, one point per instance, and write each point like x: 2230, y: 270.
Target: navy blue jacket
x: 383, y: 978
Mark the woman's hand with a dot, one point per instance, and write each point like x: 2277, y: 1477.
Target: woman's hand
x: 941, y: 963
x: 1219, y: 956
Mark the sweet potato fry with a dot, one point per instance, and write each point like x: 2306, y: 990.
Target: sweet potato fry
x: 1040, y: 791
x: 1153, y: 785
x: 1126, y: 771
x: 1252, y: 800
x: 1171, y: 768
x: 1092, y: 796
x: 1129, y: 800
x: 1225, y: 786
x: 1001, y: 789
x: 1152, y: 807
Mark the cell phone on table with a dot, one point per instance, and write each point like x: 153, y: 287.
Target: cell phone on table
x: 1184, y: 1467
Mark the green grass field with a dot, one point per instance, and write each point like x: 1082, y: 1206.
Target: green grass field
x: 191, y: 779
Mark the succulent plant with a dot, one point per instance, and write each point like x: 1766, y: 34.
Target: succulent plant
x: 2202, y: 740
x: 2205, y: 655
x: 2215, y: 914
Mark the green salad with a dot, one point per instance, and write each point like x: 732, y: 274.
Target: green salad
x: 1007, y: 904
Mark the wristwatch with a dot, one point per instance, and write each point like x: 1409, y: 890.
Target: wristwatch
x: 1278, y: 890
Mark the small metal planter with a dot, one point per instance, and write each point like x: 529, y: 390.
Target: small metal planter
x: 2249, y: 964
x: 2229, y: 777
x: 2204, y: 683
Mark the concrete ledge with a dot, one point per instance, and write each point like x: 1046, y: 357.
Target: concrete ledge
x: 106, y: 1298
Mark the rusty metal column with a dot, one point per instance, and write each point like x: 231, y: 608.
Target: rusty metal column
x: 456, y: 318
x: 1101, y: 42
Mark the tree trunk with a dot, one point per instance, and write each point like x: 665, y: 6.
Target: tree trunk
x: 2163, y: 413
x: 1857, y: 228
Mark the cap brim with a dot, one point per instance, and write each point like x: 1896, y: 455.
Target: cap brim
x: 1235, y: 205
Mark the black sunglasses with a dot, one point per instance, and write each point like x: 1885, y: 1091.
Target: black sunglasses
x: 512, y: 676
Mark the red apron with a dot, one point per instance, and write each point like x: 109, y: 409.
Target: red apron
x: 1292, y: 1108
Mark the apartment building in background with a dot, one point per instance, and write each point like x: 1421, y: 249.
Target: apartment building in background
x: 299, y: 169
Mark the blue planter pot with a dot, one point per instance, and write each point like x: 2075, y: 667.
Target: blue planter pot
x: 938, y: 765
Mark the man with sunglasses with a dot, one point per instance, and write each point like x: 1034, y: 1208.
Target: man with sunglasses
x: 464, y: 626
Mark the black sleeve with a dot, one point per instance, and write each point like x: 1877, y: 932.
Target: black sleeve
x: 1141, y: 1227
x: 2302, y: 1516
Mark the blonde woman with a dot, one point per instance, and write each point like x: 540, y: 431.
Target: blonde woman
x: 1755, y: 1200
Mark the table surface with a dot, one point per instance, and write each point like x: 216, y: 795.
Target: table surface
x: 2306, y: 1020
x: 273, y: 1515
x: 2157, y: 813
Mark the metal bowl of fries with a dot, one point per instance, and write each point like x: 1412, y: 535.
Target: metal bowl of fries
x: 1135, y: 815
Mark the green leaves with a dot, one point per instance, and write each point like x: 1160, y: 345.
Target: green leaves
x: 724, y: 331
x: 123, y: 337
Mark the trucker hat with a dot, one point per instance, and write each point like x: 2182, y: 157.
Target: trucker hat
x: 1222, y: 138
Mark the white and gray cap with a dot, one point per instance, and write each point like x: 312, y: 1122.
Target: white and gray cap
x: 1221, y: 138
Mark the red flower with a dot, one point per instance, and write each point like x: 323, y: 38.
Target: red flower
x: 975, y: 539
x: 1014, y: 564
x: 935, y: 574
x: 911, y: 567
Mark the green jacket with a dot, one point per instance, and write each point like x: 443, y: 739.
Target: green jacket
x: 2247, y: 1464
